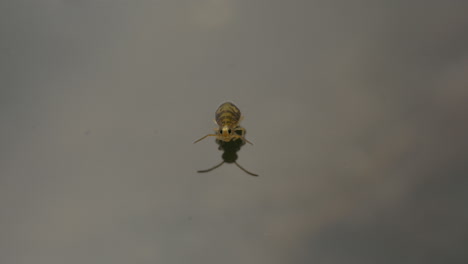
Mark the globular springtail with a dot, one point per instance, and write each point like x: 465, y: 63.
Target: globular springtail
x: 230, y: 136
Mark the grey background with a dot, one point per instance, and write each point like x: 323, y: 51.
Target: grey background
x: 357, y: 112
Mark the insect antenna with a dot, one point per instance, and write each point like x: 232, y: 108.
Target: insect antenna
x: 246, y: 171
x: 209, y: 135
x: 202, y: 171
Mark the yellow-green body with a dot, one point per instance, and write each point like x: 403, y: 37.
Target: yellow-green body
x: 228, y: 117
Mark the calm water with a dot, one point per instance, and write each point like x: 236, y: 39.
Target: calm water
x: 357, y: 112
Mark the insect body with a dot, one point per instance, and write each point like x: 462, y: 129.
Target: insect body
x: 229, y: 135
x: 228, y: 117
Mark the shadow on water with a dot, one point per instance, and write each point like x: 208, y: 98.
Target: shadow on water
x: 230, y: 154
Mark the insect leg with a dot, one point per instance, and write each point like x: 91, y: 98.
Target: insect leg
x: 242, y: 136
x: 209, y: 135
x: 201, y: 171
x: 246, y: 171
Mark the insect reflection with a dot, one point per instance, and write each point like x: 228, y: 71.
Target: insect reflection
x: 230, y: 154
